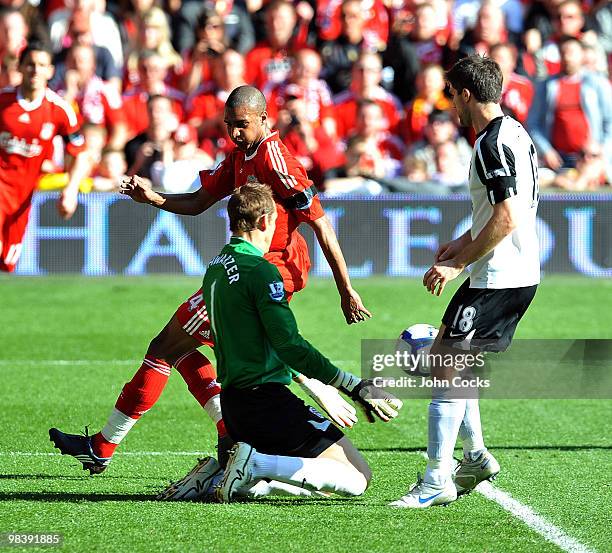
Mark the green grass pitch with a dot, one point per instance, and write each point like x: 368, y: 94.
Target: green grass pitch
x: 68, y: 344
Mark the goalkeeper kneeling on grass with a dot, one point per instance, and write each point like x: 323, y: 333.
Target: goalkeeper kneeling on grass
x: 283, y: 445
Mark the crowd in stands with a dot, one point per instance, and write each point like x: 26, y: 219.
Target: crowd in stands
x: 355, y: 88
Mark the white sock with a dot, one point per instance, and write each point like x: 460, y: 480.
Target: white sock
x: 117, y: 426
x: 470, y: 431
x: 274, y: 487
x: 318, y: 474
x: 445, y: 416
x: 213, y: 408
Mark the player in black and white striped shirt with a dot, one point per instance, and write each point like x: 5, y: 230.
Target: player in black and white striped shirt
x: 501, y: 249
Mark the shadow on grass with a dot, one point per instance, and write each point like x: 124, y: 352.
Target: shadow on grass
x: 85, y: 477
x: 64, y: 497
x: 496, y: 447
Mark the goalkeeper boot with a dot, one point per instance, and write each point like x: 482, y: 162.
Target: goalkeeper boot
x: 198, y: 484
x: 469, y: 474
x: 238, y: 472
x: 80, y: 447
x: 423, y: 495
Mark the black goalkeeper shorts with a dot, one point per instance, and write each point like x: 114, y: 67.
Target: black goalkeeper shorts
x: 275, y: 421
x: 485, y: 318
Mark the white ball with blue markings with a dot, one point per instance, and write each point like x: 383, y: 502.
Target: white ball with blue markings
x: 418, y: 339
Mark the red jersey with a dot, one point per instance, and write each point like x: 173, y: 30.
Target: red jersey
x: 317, y: 97
x: 265, y: 65
x: 99, y: 103
x: 570, y: 130
x: 27, y: 130
x: 135, y: 108
x: 517, y: 96
x: 294, y: 194
x: 417, y: 114
x: 346, y: 111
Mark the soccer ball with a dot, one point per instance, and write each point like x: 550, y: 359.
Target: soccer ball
x: 417, y: 340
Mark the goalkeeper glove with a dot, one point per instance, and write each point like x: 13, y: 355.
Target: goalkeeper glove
x: 371, y: 399
x: 328, y: 398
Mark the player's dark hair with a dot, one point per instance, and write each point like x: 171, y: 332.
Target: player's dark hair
x: 247, y: 204
x: 246, y: 96
x: 35, y: 46
x: 480, y: 75
x: 569, y: 38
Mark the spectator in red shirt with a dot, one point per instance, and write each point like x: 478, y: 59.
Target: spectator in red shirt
x: 572, y: 110
x: 152, y: 71
x: 306, y: 139
x: 517, y: 91
x: 206, y: 106
x: 365, y: 85
x: 376, y: 21
x: 430, y: 84
x: 381, y: 152
x: 154, y: 35
x: 210, y: 43
x: 428, y: 42
x: 95, y: 101
x: 269, y: 61
x: 314, y: 91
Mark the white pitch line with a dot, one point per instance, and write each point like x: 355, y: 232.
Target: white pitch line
x: 527, y: 515
x: 532, y: 519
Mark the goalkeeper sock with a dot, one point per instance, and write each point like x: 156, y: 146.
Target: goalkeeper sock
x: 200, y: 375
x: 136, y: 398
x: 470, y: 431
x: 319, y: 474
x: 445, y: 416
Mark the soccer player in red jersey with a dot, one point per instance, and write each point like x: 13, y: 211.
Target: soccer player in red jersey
x: 259, y: 156
x: 31, y: 115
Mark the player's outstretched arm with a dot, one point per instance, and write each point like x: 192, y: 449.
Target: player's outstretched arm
x: 68, y: 200
x: 192, y: 203
x: 350, y: 301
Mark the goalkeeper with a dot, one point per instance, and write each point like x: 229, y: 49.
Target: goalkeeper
x: 257, y: 344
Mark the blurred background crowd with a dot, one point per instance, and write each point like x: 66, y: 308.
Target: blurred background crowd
x: 355, y: 88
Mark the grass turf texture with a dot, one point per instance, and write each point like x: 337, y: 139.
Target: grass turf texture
x: 555, y: 455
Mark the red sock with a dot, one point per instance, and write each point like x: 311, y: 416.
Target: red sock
x: 200, y: 376
x: 136, y: 398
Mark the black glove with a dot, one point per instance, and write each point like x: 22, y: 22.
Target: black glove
x: 375, y: 401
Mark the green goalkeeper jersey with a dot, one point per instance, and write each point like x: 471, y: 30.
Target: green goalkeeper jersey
x: 256, y: 336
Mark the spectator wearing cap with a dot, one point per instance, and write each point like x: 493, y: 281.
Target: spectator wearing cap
x: 430, y: 96
x: 152, y: 71
x: 365, y: 85
x: 304, y: 82
x: 517, y: 91
x: 440, y: 129
x: 269, y: 62
x: 570, y: 110
x: 205, y: 107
